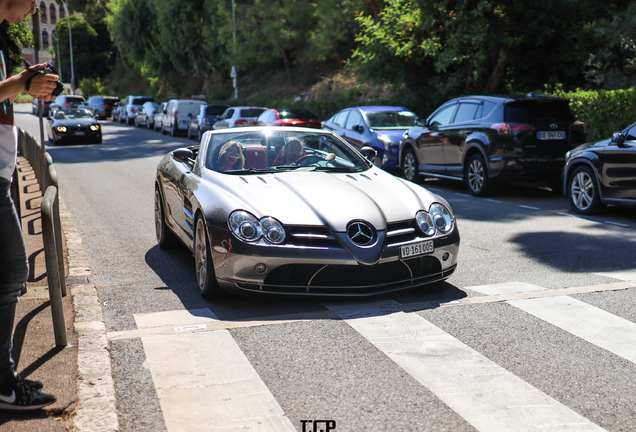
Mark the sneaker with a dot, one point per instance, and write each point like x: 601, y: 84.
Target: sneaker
x: 19, y: 395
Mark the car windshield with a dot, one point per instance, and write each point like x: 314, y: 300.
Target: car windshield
x: 73, y: 114
x: 297, y: 114
x: 251, y: 112
x: 272, y: 150
x: 215, y: 110
x: 538, y: 111
x: 391, y: 119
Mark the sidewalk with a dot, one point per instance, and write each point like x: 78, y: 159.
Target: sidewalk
x: 79, y: 375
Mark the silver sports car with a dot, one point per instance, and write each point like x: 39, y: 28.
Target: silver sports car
x: 299, y: 211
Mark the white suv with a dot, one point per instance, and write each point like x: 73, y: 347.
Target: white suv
x: 238, y: 116
x: 130, y: 106
x: 179, y: 113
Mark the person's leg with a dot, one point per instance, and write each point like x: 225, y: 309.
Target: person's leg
x: 15, y: 392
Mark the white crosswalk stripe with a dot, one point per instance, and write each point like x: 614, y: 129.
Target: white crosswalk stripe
x: 483, y: 393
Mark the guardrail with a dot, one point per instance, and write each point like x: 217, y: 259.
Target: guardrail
x: 46, y: 176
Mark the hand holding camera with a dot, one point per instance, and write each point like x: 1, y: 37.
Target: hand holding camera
x: 43, y: 83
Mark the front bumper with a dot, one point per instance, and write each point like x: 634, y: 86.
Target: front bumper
x: 72, y: 137
x: 327, y: 270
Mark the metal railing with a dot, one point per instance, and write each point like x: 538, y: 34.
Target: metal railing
x: 46, y: 176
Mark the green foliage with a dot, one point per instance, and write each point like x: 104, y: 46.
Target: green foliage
x: 603, y: 111
x: 92, y: 86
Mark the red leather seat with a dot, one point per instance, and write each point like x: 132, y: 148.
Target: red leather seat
x: 255, y: 157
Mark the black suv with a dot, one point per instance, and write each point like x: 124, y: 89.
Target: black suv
x: 487, y: 139
x: 102, y: 106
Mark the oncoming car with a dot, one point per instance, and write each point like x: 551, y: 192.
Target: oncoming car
x: 299, y: 211
x: 74, y: 126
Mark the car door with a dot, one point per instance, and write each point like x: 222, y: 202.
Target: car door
x: 618, y: 170
x: 354, y: 129
x: 455, y: 134
x: 430, y: 143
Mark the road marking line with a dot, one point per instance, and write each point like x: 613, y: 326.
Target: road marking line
x: 529, y: 207
x: 493, y: 201
x: 486, y: 395
x: 204, y: 382
x: 626, y: 275
x: 596, y: 326
x: 505, y: 288
x: 617, y: 224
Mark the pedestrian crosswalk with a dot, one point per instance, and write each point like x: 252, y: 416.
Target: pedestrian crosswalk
x: 204, y: 382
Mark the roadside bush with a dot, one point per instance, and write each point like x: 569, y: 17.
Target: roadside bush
x: 603, y: 111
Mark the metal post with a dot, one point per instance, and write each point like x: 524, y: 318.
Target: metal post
x: 52, y: 271
x: 37, y: 40
x: 59, y: 57
x: 70, y: 43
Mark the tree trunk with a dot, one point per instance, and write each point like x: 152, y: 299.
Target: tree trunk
x: 287, y: 67
x: 498, y: 72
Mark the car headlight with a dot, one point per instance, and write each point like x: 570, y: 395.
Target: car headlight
x: 386, y: 141
x: 442, y: 217
x: 425, y: 222
x: 245, y: 226
x: 61, y: 129
x: 94, y: 127
x: 273, y: 230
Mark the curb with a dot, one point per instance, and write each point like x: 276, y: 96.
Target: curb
x: 96, y: 411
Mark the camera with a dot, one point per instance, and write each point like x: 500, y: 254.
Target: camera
x: 49, y: 69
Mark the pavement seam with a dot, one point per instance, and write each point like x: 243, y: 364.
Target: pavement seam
x: 96, y: 410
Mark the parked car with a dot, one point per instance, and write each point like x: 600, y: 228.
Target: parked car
x: 380, y: 127
x: 602, y: 172
x: 45, y: 107
x: 114, y: 114
x: 179, y: 114
x: 130, y: 106
x: 204, y: 118
x: 102, y: 106
x: 361, y: 230
x: 73, y: 126
x: 159, y: 116
x: 66, y: 102
x: 288, y: 117
x: 146, y: 114
x: 238, y: 116
x: 483, y: 140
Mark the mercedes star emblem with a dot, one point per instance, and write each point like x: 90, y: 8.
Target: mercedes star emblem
x: 360, y: 233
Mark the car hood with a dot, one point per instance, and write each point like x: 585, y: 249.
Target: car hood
x: 328, y: 199
x: 587, y: 145
x: 74, y: 122
x: 394, y: 135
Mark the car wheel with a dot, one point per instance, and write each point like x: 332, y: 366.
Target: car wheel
x: 476, y: 176
x: 583, y: 191
x: 173, y: 130
x: 199, y: 135
x: 410, y: 165
x: 189, y: 133
x: 206, y: 278
x: 165, y: 238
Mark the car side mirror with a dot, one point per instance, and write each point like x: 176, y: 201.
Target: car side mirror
x: 358, y: 128
x: 183, y: 154
x: 368, y: 152
x: 420, y: 122
x: 618, y: 138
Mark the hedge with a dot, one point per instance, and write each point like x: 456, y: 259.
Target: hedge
x: 603, y: 111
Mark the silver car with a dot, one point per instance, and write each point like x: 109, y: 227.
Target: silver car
x: 299, y: 211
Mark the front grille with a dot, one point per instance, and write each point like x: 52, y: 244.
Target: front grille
x: 310, y: 237
x: 401, y: 232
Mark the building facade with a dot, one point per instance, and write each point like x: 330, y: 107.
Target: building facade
x: 50, y: 13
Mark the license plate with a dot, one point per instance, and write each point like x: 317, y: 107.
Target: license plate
x: 416, y: 249
x: 80, y: 133
x: 551, y: 135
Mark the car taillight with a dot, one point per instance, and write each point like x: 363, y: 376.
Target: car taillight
x: 578, y: 126
x: 206, y: 121
x: 240, y: 122
x: 132, y: 109
x: 510, y: 128
x: 104, y: 106
x: 67, y: 104
x: 175, y: 116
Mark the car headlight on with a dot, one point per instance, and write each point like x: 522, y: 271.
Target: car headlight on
x: 442, y: 217
x: 425, y: 222
x: 94, y: 127
x: 273, y: 230
x: 61, y: 128
x: 245, y: 226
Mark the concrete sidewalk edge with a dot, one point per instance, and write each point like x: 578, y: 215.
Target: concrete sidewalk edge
x: 96, y: 411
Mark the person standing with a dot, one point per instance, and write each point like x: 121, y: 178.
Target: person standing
x: 16, y: 393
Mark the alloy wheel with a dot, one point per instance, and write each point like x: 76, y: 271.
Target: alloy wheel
x: 476, y: 175
x: 409, y: 168
x: 200, y: 254
x: 582, y: 190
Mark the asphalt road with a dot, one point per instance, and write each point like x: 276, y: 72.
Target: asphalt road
x: 450, y: 357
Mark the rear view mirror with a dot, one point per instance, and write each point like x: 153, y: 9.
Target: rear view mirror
x: 618, y: 138
x: 420, y: 122
x: 183, y: 154
x: 368, y: 152
x: 358, y: 128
